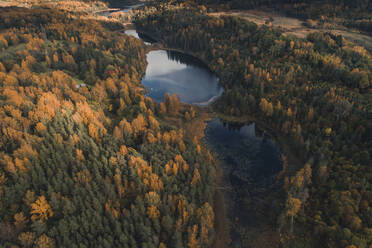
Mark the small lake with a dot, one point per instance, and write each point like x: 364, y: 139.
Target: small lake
x: 253, y: 157
x: 250, y: 163
x: 175, y: 72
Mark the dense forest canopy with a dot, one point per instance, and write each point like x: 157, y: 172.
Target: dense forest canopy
x: 356, y: 14
x: 86, y: 159
x: 315, y: 91
x: 356, y: 4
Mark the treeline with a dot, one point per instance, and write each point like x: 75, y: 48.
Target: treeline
x: 85, y: 159
x: 336, y: 4
x: 354, y: 14
x: 316, y: 91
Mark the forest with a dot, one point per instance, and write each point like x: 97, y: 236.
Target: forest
x: 356, y: 14
x: 335, y: 4
x: 86, y: 160
x: 315, y: 91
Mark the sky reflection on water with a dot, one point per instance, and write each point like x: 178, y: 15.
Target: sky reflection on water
x: 174, y: 72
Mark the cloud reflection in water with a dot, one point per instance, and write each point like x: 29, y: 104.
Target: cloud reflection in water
x: 179, y: 73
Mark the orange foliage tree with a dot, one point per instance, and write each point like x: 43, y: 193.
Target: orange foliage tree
x: 41, y: 210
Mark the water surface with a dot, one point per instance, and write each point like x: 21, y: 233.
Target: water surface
x: 175, y: 72
x: 250, y: 163
x: 132, y: 32
x: 253, y: 157
x: 120, y: 8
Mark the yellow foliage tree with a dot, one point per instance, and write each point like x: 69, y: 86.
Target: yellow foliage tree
x: 19, y: 220
x: 41, y: 209
x: 44, y: 242
x: 2, y: 68
x: 206, y: 217
x: 162, y: 245
x: 152, y: 198
x: 40, y: 127
x: 266, y: 107
x: 162, y: 108
x: 293, y: 206
x: 79, y: 155
x: 153, y: 212
x: 125, y: 125
x: 151, y: 138
x: 175, y: 168
x: 117, y: 133
x: 155, y: 182
x: 123, y: 150
x: 167, y: 169
x: 166, y: 138
x: 198, y: 149
x: 172, y: 103
x: 192, y: 240
x: 182, y: 146
x: 26, y: 238
x: 154, y: 124
x: 83, y: 177
x: 139, y: 124
x: 111, y: 209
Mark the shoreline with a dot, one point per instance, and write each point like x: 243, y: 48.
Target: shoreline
x: 222, y: 221
x: 197, y: 127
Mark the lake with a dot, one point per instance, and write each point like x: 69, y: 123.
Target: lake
x: 182, y: 74
x: 253, y: 158
x: 250, y: 161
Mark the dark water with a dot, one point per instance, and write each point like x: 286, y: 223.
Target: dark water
x: 250, y: 163
x: 253, y: 158
x: 175, y: 72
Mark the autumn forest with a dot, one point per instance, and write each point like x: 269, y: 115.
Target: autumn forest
x: 89, y: 159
